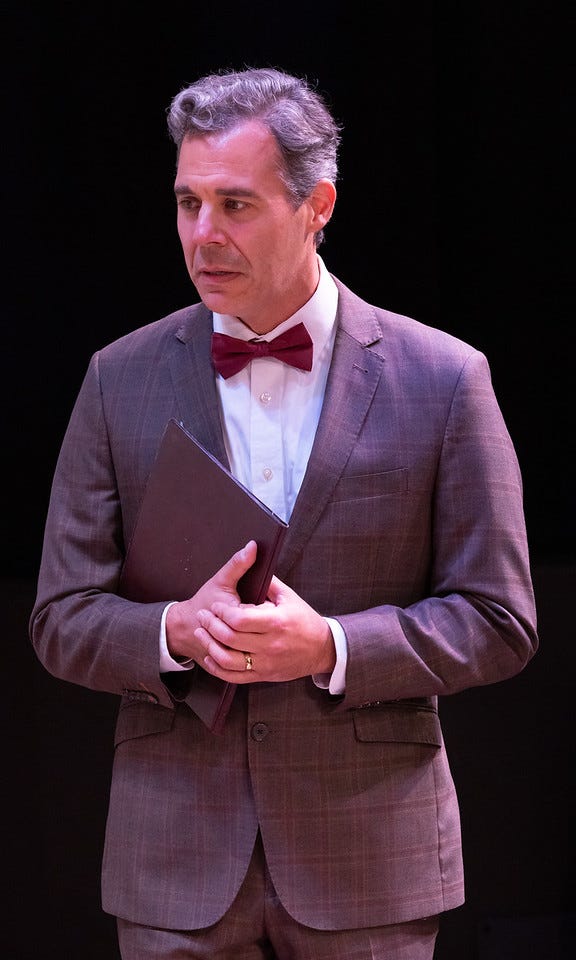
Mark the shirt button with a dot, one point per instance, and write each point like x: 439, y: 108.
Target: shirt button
x: 265, y: 397
x: 267, y: 473
x: 259, y: 731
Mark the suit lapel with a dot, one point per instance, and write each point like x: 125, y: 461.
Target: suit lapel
x: 194, y: 383
x: 357, y: 364
x: 355, y: 372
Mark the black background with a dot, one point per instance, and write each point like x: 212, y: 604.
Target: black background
x: 454, y: 207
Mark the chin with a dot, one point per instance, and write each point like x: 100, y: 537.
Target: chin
x: 219, y: 303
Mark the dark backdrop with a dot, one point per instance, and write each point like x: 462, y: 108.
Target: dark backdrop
x: 453, y: 208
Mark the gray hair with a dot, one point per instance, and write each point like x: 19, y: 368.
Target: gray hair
x: 296, y: 114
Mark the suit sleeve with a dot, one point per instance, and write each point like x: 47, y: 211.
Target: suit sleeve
x: 81, y: 630
x: 476, y: 621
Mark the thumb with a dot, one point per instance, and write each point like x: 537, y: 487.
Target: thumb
x: 237, y: 565
x: 277, y: 591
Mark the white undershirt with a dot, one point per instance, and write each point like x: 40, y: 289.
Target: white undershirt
x: 269, y: 414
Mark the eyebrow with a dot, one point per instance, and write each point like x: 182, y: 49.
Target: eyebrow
x: 181, y: 189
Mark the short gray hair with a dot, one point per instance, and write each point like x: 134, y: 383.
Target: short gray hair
x: 297, y: 115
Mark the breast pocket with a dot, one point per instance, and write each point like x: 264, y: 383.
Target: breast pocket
x: 371, y: 485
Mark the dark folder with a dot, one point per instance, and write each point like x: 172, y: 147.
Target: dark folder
x: 194, y: 515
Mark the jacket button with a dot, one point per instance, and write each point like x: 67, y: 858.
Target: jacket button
x: 259, y: 731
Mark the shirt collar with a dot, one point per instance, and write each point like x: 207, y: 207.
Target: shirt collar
x: 318, y: 314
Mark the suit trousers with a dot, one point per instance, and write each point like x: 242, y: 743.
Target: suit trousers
x: 257, y: 927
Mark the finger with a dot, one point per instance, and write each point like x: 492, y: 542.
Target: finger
x: 239, y: 676
x: 244, y: 617
x: 215, y: 628
x: 222, y: 660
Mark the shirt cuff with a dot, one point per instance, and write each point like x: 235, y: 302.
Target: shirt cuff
x: 335, y: 682
x: 167, y: 663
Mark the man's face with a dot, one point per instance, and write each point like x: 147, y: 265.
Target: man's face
x: 248, y: 251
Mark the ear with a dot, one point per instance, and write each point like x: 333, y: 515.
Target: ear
x: 322, y: 200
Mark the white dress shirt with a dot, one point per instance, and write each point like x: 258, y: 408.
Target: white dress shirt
x: 270, y: 412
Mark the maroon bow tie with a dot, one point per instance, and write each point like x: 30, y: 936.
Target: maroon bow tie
x: 230, y: 355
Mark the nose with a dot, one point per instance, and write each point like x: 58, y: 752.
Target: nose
x: 208, y: 228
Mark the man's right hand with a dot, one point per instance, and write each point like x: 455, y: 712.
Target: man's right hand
x: 181, y: 618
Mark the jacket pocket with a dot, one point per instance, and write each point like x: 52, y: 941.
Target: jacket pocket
x: 398, y: 722
x: 141, y: 720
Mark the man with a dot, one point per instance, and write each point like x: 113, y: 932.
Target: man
x: 323, y: 822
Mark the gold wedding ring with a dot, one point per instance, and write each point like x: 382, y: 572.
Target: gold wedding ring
x: 248, y: 660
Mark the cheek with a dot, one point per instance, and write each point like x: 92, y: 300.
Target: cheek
x: 271, y: 248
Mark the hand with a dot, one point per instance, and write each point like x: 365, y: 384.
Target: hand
x: 284, y: 637
x: 182, y: 618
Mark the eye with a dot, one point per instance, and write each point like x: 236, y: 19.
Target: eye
x: 187, y: 203
x: 232, y: 204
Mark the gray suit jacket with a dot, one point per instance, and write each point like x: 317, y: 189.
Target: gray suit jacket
x: 408, y: 528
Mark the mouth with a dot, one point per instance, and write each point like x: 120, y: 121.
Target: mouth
x: 216, y: 273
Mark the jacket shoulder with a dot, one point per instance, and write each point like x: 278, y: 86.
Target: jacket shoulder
x: 396, y: 335
x: 149, y: 338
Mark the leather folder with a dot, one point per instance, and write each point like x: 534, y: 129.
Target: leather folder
x: 193, y: 516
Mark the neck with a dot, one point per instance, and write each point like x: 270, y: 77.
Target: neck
x: 290, y: 304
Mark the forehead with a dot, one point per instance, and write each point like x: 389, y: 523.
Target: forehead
x: 246, y: 153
